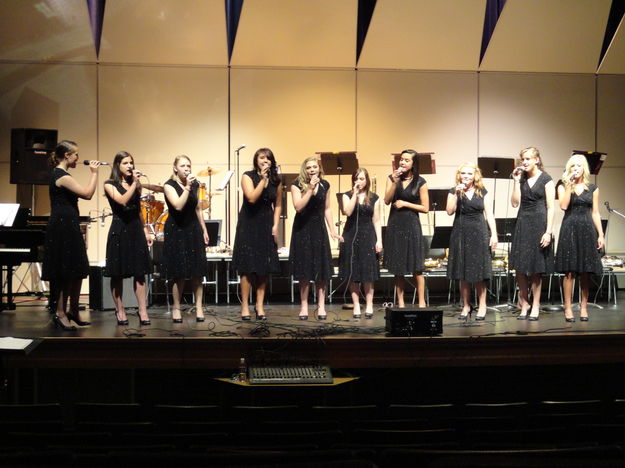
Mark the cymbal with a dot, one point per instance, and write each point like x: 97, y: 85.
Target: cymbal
x: 209, y: 171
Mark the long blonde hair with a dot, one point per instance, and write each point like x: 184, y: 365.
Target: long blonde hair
x: 478, y: 183
x: 576, y: 159
x: 302, y: 179
x: 174, y: 174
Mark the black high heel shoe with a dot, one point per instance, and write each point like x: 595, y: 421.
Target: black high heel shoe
x: 121, y: 322
x: 80, y: 323
x: 583, y: 319
x: 247, y: 317
x: 142, y: 322
x: 466, y: 316
x: 57, y: 323
x: 258, y: 316
x: 570, y: 319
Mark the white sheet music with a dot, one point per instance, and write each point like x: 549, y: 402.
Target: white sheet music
x: 225, y: 181
x: 10, y: 343
x: 8, y: 211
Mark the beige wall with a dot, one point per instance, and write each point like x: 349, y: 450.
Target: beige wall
x: 156, y: 112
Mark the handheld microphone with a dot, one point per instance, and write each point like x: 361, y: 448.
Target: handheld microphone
x: 517, y: 170
x: 86, y: 162
x: 607, y: 205
x: 240, y: 147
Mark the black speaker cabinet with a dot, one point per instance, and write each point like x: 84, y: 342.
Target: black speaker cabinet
x: 30, y: 148
x: 414, y: 321
x: 100, y: 291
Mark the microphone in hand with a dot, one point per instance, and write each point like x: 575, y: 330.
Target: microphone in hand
x: 86, y: 162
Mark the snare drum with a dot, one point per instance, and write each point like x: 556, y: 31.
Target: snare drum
x: 151, y: 209
x: 159, y: 227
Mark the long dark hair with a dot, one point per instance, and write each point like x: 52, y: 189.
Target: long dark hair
x: 274, y: 178
x: 367, y: 200
x: 63, y: 147
x: 414, y: 170
x: 116, y: 175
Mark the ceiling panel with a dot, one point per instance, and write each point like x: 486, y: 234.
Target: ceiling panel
x: 50, y: 30
x: 561, y: 36
x: 422, y: 34
x: 165, y: 32
x: 297, y: 33
x: 614, y: 59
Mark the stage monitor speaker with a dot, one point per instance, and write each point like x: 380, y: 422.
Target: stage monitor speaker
x: 100, y: 291
x: 414, y: 321
x: 30, y: 148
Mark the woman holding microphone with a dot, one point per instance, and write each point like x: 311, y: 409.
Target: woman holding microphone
x: 129, y: 239
x: 404, y: 249
x: 255, y: 250
x: 65, y: 262
x: 184, y: 248
x: 581, y: 233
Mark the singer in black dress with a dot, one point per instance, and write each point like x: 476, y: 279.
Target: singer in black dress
x: 404, y: 248
x: 184, y: 248
x: 310, y: 258
x: 128, y: 242
x: 469, y: 246
x: 65, y: 262
x: 531, y: 253
x: 362, y: 241
x: 581, y: 233
x: 255, y: 250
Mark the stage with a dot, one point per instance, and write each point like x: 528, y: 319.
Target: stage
x: 339, y: 342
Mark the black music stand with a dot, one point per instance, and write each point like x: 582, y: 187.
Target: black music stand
x: 427, y: 165
x: 287, y: 180
x: 495, y: 168
x: 441, y: 237
x: 594, y: 158
x: 438, y: 200
x: 339, y: 163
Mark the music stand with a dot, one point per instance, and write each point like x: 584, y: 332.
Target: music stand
x: 441, y: 237
x: 594, y: 158
x: 438, y: 200
x: 287, y: 180
x: 495, y: 168
x: 427, y: 165
x: 339, y: 163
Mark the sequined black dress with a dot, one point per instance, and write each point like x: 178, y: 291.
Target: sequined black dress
x: 469, y: 251
x: 358, y: 261
x: 184, y: 252
x: 309, y: 254
x: 526, y: 254
x: 65, y: 253
x: 127, y: 251
x: 577, y: 242
x: 404, y: 248
x: 254, y: 249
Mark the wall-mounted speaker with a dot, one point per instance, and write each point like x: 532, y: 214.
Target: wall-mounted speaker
x: 30, y: 149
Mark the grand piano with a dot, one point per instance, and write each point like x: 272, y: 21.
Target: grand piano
x: 22, y: 243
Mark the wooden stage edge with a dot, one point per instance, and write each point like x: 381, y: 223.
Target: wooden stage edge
x: 347, y: 353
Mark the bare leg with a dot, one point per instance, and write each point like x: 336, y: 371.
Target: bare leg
x: 139, y: 285
x: 321, y: 298
x: 117, y: 291
x: 481, y: 294
x: 537, y: 282
x: 260, y: 295
x: 465, y: 294
x: 177, y: 290
x: 567, y: 290
x: 419, y: 281
x: 198, y: 291
x: 523, y: 293
x: 584, y: 283
x: 304, y: 290
x: 368, y: 287
x: 354, y: 289
x: 246, y: 287
x: 400, y: 286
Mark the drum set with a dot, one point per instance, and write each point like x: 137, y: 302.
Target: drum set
x: 155, y: 213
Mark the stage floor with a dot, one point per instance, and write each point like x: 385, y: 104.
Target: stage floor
x: 340, y: 341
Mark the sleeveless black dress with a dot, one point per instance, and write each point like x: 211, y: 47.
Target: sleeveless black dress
x: 184, y: 252
x: 577, y: 242
x: 526, y: 254
x: 309, y: 253
x: 65, y: 253
x: 469, y: 252
x: 358, y: 261
x: 254, y: 249
x: 127, y: 251
x: 404, y: 248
